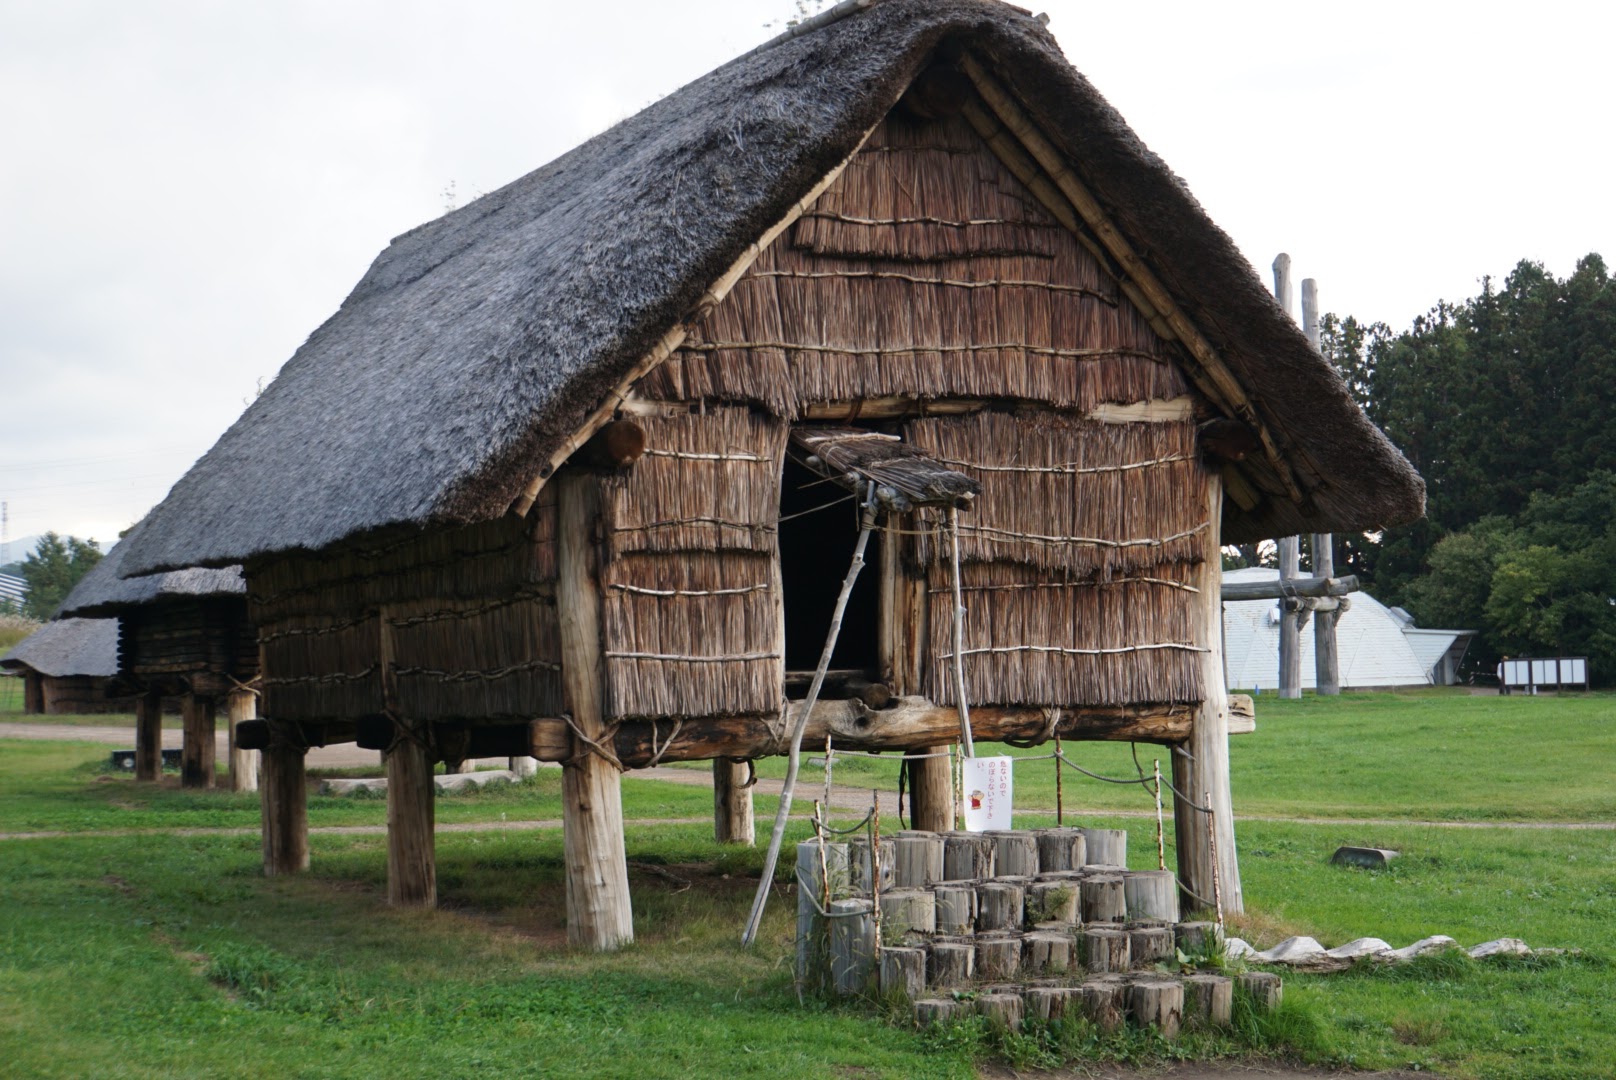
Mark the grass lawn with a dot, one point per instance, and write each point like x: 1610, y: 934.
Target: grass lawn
x: 1438, y: 755
x: 168, y: 955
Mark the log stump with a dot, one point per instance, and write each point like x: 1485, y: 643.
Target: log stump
x: 1105, y: 949
x: 813, y: 936
x: 907, y: 911
x: 999, y: 906
x: 858, y: 852
x: 1053, y: 901
x: 1015, y: 854
x: 1103, y: 900
x: 918, y: 860
x: 998, y: 957
x: 955, y: 908
x: 903, y: 973
x: 1157, y: 1003
x: 1266, y: 989
x: 1149, y: 945
x: 1060, y: 849
x: 1003, y: 1011
x: 967, y: 856
x: 1105, y: 847
x: 932, y: 1011
x: 1151, y: 894
x: 950, y: 964
x: 852, y: 945
x: 1198, y: 939
x: 1051, y: 1002
x: 1045, y: 953
x: 1102, y: 1003
x: 1208, y: 1000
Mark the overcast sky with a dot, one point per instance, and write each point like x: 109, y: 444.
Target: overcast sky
x: 187, y: 189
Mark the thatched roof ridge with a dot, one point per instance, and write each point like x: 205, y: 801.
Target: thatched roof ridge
x: 477, y: 343
x: 104, y: 591
x: 66, y: 647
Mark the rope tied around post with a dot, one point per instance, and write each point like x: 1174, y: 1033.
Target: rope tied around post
x: 590, y: 746
x: 405, y: 732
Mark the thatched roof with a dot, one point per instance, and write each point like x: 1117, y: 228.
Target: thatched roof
x: 68, y: 647
x: 477, y: 343
x: 103, y: 591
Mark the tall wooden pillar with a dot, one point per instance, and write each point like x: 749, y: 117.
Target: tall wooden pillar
x: 33, y: 693
x: 1326, y: 656
x: 1290, y: 628
x: 412, y: 866
x: 283, y: 795
x: 904, y: 612
x: 241, y: 705
x: 1208, y: 745
x: 599, y: 913
x: 733, y: 821
x: 198, y: 752
x: 149, y: 737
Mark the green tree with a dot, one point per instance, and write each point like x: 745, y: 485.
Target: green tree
x: 53, y: 568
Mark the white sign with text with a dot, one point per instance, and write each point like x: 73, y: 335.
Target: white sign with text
x: 988, y: 788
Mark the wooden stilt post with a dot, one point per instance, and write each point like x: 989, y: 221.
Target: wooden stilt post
x: 1290, y: 630
x: 1208, y: 857
x: 732, y: 803
x: 198, y: 752
x: 412, y: 867
x: 149, y: 737
x: 599, y: 914
x: 1326, y: 657
x: 242, y: 705
x: 904, y: 607
x: 283, y: 795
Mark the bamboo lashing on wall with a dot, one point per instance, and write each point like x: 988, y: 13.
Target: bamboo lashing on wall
x: 978, y: 293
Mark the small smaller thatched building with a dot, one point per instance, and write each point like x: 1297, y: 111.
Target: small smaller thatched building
x: 68, y: 666
x: 182, y: 634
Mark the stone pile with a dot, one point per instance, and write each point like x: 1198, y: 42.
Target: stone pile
x: 1042, y: 923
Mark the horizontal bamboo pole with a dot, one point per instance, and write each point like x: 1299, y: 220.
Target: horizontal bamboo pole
x: 1298, y: 586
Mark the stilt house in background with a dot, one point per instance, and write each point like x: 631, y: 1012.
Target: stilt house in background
x: 182, y: 634
x: 536, y: 485
x: 67, y: 666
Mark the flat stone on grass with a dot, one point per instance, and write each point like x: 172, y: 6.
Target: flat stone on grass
x: 1367, y: 858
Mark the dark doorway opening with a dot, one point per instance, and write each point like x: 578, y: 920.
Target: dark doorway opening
x: 815, y: 551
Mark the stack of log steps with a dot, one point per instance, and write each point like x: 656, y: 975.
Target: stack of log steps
x: 1026, y: 920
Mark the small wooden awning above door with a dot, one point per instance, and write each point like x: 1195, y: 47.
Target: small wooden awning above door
x: 904, y: 477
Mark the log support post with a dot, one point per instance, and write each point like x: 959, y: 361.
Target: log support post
x: 599, y: 913
x: 148, y: 737
x: 733, y: 821
x: 33, y: 693
x: 283, y: 794
x: 242, y: 705
x: 1290, y: 626
x: 904, y: 613
x: 1204, y: 773
x: 412, y: 868
x: 198, y: 753
x: 1326, y: 657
